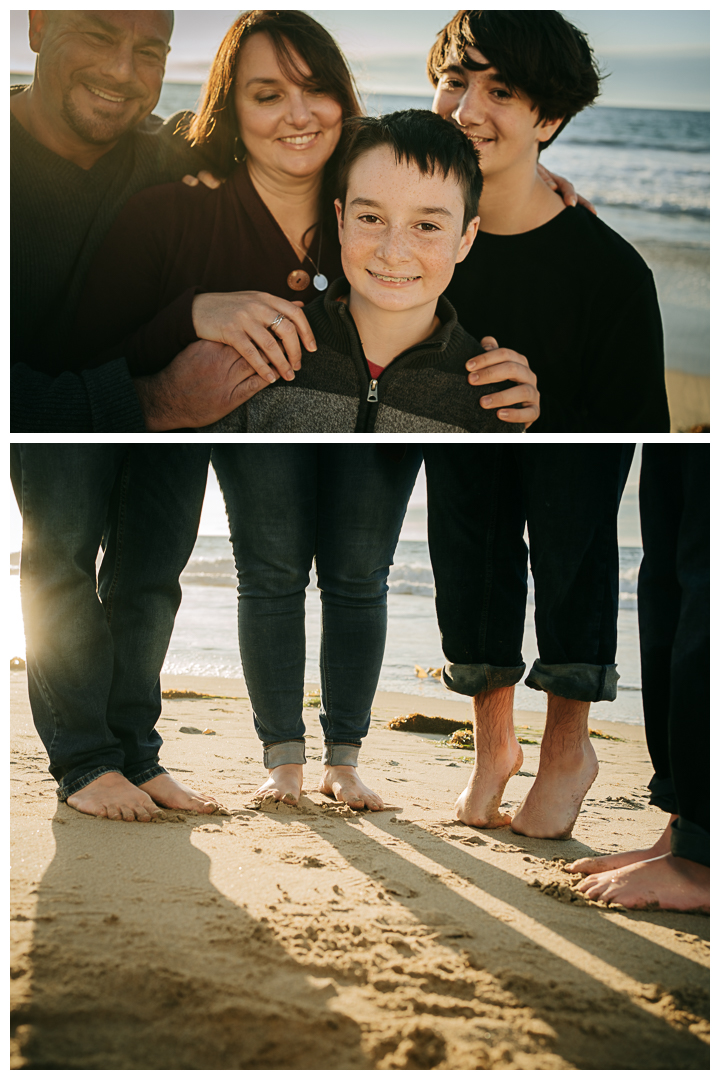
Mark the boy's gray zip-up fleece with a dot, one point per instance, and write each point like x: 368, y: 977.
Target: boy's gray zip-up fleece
x: 424, y: 389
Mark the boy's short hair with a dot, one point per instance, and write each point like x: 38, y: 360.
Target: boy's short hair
x: 537, y: 52
x: 421, y: 137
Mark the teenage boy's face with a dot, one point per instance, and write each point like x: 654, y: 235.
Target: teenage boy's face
x: 501, y: 123
x: 401, y: 232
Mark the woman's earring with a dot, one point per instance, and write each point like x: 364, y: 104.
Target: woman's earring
x: 238, y: 146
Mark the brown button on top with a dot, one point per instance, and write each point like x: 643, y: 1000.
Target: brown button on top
x: 298, y: 280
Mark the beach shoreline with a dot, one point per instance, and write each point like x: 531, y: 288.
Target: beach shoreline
x: 318, y: 937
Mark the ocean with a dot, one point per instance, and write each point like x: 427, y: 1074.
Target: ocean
x: 205, y: 637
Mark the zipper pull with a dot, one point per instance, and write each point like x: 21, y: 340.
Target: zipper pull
x: 372, y: 391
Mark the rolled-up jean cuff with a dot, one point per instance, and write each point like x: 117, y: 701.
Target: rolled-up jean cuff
x: 578, y: 682
x: 145, y: 775
x: 662, y: 794
x: 690, y: 841
x: 472, y: 679
x: 64, y: 791
x: 341, y: 753
x: 284, y: 753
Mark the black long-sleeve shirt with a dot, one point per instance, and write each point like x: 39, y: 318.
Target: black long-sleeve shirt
x: 580, y: 303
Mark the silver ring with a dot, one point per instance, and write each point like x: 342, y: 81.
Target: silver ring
x: 276, y: 321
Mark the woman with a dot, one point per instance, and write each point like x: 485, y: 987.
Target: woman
x: 343, y: 506
x: 257, y: 245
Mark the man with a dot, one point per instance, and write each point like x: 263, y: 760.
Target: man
x: 93, y: 661
x: 674, y: 617
x: 549, y: 281
x: 78, y: 152
x: 82, y: 142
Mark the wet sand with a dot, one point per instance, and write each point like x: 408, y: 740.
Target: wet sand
x: 320, y: 938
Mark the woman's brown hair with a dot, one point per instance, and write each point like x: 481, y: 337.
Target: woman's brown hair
x: 215, y: 129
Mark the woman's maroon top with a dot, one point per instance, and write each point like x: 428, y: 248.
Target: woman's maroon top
x: 171, y: 242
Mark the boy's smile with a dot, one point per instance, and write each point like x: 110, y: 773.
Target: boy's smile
x: 401, y: 232
x: 502, y: 123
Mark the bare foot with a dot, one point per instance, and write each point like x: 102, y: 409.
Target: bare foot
x: 112, y: 796
x: 343, y: 782
x: 601, y: 863
x: 169, y: 792
x: 668, y: 882
x: 284, y: 784
x: 479, y: 803
x: 551, y: 806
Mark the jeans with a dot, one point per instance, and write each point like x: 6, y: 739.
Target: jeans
x: 343, y: 506
x: 674, y: 618
x: 479, y: 499
x: 95, y: 647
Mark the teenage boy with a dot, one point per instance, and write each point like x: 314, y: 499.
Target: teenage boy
x: 552, y: 282
x: 390, y: 353
x: 560, y: 286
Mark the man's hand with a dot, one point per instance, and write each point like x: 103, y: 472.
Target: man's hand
x: 565, y: 189
x: 204, y: 382
x: 242, y: 319
x: 502, y: 365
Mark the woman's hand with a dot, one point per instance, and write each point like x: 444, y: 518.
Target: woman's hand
x: 243, y: 320
x: 503, y: 365
x: 564, y: 189
x: 203, y: 177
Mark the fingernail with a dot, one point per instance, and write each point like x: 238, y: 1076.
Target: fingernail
x: 270, y: 377
x: 474, y: 378
x: 486, y: 401
x: 471, y: 365
x: 312, y: 346
x: 574, y: 201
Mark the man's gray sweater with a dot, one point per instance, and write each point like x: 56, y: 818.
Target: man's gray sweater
x: 424, y: 389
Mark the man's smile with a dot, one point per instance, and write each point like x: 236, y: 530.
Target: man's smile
x: 114, y: 98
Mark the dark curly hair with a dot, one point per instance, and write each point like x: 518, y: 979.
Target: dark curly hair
x: 539, y: 53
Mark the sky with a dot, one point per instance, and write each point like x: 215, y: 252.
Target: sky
x: 654, y: 58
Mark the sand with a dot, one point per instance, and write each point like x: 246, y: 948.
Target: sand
x: 320, y: 938
x: 682, y: 278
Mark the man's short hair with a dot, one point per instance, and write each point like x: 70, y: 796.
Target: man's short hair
x: 539, y: 53
x: 422, y: 138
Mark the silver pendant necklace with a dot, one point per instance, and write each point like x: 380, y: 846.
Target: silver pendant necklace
x: 319, y: 281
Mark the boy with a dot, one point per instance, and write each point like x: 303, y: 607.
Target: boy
x: 558, y: 285
x: 391, y: 355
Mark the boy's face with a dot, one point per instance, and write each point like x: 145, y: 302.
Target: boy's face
x: 502, y: 124
x: 401, y: 232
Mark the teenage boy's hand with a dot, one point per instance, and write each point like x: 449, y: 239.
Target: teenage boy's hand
x: 502, y: 365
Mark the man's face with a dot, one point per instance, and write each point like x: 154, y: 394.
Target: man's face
x: 100, y: 72
x: 501, y: 123
x: 401, y: 232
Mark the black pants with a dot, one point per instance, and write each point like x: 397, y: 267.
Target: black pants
x: 674, y: 617
x: 479, y: 498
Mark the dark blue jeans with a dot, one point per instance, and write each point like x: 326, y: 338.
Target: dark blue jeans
x: 479, y: 499
x: 95, y: 649
x: 674, y: 618
x: 343, y: 506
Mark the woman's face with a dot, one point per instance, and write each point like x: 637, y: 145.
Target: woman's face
x: 286, y: 128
